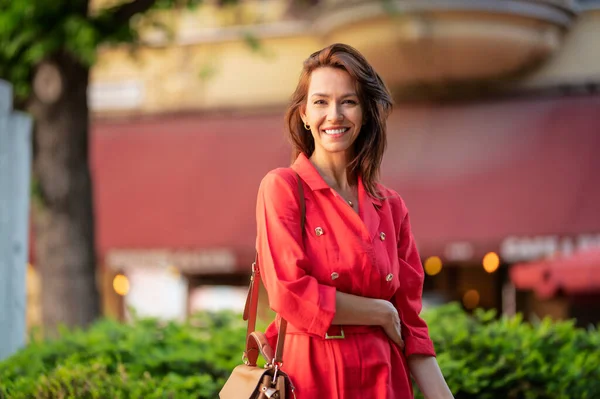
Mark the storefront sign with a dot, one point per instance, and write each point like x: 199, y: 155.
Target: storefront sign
x: 459, y: 251
x: 518, y: 249
x: 200, y: 261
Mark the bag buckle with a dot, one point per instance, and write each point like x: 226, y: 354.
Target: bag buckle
x: 341, y: 336
x: 245, y: 359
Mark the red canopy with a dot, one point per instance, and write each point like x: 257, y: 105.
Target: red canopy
x: 474, y: 173
x: 575, y: 274
x: 482, y: 172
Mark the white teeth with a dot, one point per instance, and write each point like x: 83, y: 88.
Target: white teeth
x: 336, y: 131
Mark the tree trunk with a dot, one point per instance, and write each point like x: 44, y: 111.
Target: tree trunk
x: 64, y: 218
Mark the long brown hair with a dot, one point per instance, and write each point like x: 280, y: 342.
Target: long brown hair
x: 375, y: 100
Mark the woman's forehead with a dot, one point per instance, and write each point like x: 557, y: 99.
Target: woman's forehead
x: 331, y: 81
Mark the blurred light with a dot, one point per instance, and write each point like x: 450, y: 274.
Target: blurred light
x: 491, y: 261
x: 174, y: 271
x: 121, y: 284
x: 471, y: 299
x: 433, y: 265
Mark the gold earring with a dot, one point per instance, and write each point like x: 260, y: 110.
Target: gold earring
x: 307, y: 127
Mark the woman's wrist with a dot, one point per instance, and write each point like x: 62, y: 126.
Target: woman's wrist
x: 383, y: 312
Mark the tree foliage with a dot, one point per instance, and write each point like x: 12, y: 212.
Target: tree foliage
x: 33, y: 30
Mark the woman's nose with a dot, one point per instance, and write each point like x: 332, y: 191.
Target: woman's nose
x: 335, y: 114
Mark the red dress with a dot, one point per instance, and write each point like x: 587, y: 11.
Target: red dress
x: 371, y: 254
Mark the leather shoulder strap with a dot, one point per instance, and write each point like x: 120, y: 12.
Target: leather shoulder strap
x: 251, y: 307
x: 283, y: 324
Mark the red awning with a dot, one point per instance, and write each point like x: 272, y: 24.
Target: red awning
x: 481, y: 173
x: 183, y: 182
x: 576, y: 274
x: 474, y: 173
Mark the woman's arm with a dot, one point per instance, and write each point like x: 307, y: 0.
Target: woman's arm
x: 426, y: 372
x: 419, y: 351
x: 294, y: 294
x: 357, y: 310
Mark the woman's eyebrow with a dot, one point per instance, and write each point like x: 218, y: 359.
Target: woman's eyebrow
x: 328, y: 96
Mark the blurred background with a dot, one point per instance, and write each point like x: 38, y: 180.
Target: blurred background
x: 494, y: 144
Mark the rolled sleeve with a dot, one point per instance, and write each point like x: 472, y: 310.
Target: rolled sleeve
x: 408, y: 298
x: 295, y: 295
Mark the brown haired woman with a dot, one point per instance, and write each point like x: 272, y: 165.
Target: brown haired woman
x: 350, y: 284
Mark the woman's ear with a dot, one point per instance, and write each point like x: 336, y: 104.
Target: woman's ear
x: 303, y: 113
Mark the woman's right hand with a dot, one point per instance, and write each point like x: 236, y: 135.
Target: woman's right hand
x: 358, y: 310
x: 391, y: 323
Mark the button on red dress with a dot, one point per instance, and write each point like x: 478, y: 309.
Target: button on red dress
x: 370, y: 254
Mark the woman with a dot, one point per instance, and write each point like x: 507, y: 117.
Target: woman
x: 350, y: 284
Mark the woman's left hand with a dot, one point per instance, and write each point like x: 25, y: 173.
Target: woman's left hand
x: 393, y: 325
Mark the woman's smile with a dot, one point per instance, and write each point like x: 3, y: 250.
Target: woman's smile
x: 336, y: 132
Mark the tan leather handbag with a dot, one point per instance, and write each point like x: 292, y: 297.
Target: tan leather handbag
x: 248, y: 381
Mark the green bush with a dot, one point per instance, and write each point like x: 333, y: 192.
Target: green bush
x: 147, y: 359
x: 481, y: 356
x: 486, y: 357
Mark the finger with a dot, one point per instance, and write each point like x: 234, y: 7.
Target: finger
x: 400, y: 343
x: 398, y: 338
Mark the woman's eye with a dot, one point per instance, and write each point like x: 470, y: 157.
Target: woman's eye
x: 319, y: 102
x: 352, y: 102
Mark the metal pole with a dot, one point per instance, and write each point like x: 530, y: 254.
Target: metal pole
x: 15, y: 172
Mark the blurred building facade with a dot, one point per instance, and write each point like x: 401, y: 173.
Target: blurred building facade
x: 493, y: 143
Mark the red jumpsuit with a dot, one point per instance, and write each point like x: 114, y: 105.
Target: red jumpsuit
x: 370, y: 254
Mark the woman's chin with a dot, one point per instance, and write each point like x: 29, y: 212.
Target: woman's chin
x: 337, y: 149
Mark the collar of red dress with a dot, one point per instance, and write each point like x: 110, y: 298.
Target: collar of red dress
x: 313, y: 179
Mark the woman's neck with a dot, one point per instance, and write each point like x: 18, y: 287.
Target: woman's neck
x: 333, y: 168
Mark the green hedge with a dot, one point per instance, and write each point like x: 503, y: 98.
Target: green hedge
x: 486, y: 357
x: 148, y: 359
x: 481, y: 356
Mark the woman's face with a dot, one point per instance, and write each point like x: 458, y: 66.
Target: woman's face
x: 332, y: 110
